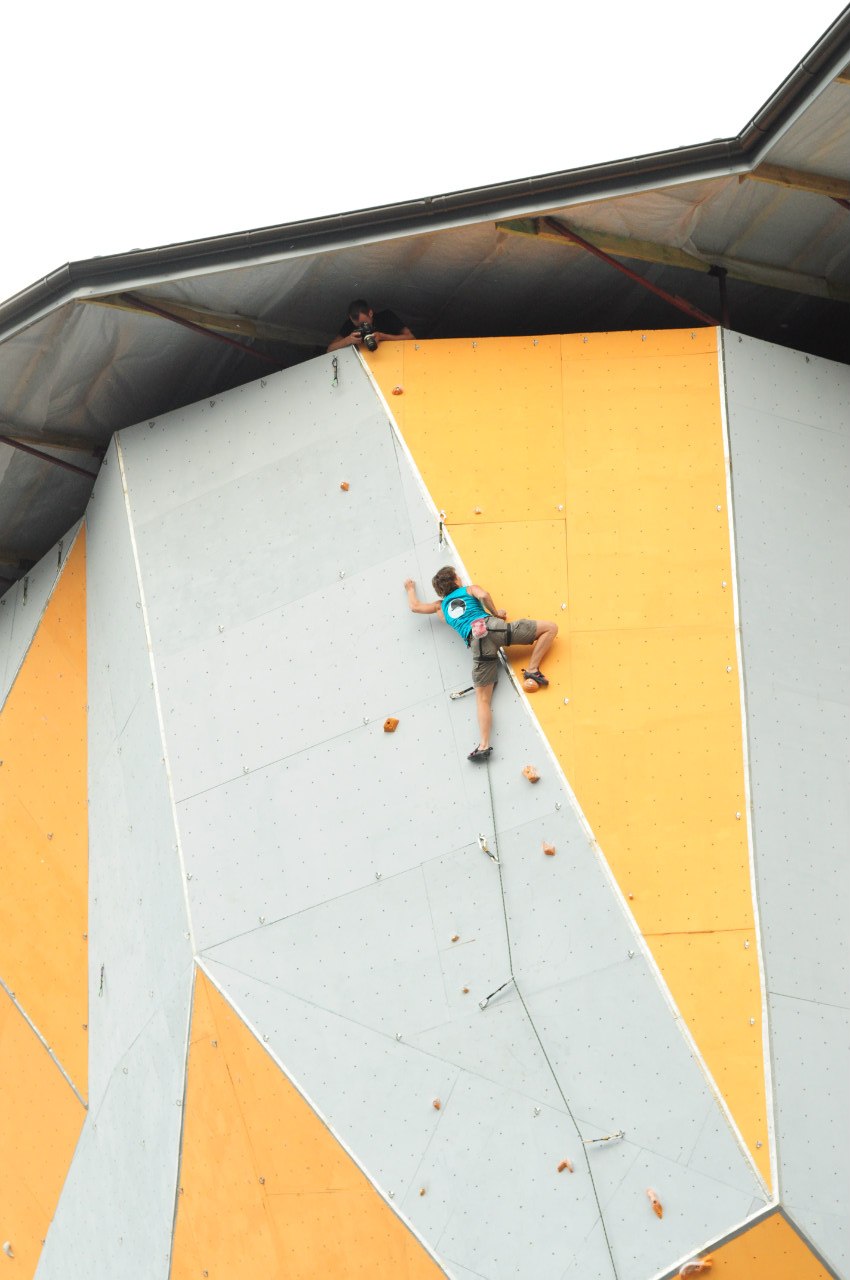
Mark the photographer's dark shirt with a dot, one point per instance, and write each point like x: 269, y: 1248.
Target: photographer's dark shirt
x: 382, y: 322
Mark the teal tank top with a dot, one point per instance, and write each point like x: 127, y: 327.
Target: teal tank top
x: 460, y: 609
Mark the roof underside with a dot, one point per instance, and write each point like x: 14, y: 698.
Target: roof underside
x: 88, y: 350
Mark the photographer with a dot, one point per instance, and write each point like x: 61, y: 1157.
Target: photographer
x: 365, y: 325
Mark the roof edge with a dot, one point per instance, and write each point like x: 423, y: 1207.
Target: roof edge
x: 498, y: 200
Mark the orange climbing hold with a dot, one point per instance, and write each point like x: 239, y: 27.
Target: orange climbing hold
x: 436, y: 1104
x: 344, y: 485
x: 390, y: 724
x: 657, y: 1207
x: 548, y: 849
x: 531, y: 773
x: 398, y: 391
x: 699, y: 1267
x: 566, y: 1164
x: 530, y: 686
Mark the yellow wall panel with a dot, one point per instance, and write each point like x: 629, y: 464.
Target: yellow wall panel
x: 615, y: 451
x: 659, y: 772
x: 40, y: 1122
x: 265, y: 1187
x: 771, y: 1248
x: 484, y: 374
x: 44, y: 826
x: 716, y: 981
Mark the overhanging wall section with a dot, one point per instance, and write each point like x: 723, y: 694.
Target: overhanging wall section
x: 790, y: 450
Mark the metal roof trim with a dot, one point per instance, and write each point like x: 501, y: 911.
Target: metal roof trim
x: 500, y: 200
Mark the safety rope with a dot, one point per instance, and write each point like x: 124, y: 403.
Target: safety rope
x: 513, y: 978
x: 494, y: 855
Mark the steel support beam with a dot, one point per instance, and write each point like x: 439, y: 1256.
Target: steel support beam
x: 47, y: 457
x: 681, y: 304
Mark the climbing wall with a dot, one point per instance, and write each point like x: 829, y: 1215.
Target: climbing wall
x: 345, y: 1014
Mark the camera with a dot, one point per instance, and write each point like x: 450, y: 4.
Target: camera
x: 367, y: 335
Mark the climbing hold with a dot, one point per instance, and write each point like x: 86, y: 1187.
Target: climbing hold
x: 699, y: 1267
x: 465, y: 990
x: 531, y: 773
x: 436, y: 1104
x: 344, y: 485
x: 422, y: 1191
x: 657, y: 1207
x: 477, y: 511
x: 566, y: 1164
x: 390, y: 724
x: 548, y: 849
x: 455, y: 937
x: 8, y: 1250
x: 398, y: 391
x: 530, y: 686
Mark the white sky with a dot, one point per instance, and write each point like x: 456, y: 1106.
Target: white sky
x: 132, y: 126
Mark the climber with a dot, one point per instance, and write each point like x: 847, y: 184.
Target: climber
x: 472, y: 613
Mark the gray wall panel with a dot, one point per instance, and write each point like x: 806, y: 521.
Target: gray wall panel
x: 115, y: 1214
x: 623, y: 1065
x: 389, y: 964
x: 137, y: 911
x: 237, y: 540
x: 294, y: 677
x: 118, y: 660
x: 790, y: 454
x: 321, y: 823
x: 811, y: 1045
x: 787, y: 384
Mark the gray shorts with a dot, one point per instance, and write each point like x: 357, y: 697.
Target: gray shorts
x: 485, y: 652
